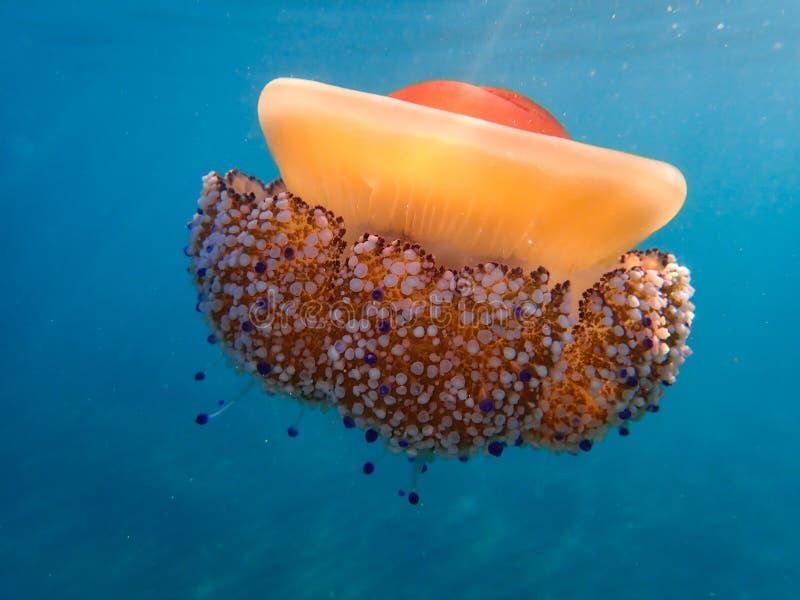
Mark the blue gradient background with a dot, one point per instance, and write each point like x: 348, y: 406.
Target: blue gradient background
x: 111, y: 113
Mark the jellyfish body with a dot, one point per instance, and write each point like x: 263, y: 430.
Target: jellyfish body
x: 438, y: 358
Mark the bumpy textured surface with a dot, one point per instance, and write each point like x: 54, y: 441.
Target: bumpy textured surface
x: 436, y: 361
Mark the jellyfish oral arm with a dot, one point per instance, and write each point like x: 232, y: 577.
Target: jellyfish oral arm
x: 437, y: 361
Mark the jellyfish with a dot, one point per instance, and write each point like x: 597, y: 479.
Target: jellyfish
x: 446, y: 268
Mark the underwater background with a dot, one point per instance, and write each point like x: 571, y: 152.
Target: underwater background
x: 112, y: 111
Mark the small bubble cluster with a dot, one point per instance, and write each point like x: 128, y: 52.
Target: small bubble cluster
x: 432, y: 361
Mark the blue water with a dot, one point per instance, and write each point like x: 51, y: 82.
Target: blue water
x: 111, y: 113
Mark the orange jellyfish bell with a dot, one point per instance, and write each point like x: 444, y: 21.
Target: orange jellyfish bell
x: 410, y: 268
x: 497, y: 105
x: 467, y: 189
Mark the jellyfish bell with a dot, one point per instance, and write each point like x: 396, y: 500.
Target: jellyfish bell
x: 468, y: 189
x: 410, y: 269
